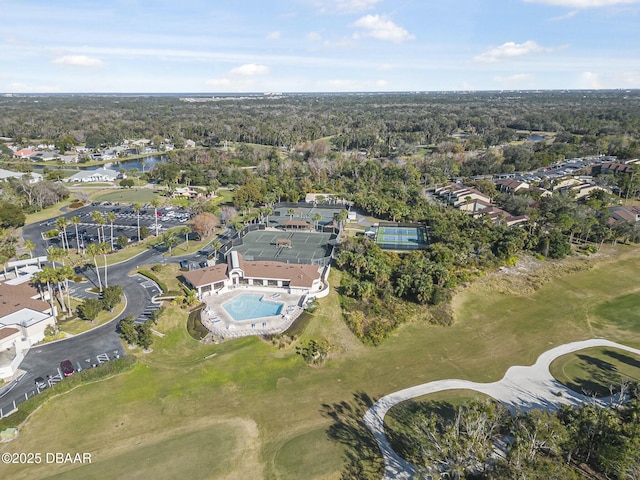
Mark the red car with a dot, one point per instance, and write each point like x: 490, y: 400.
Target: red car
x: 67, y: 368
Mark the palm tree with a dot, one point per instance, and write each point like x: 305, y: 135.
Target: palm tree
x: 170, y: 240
x: 65, y: 273
x: 291, y: 211
x: 75, y: 221
x: 216, y: 245
x: 104, y: 249
x: 136, y: 208
x: 55, y: 254
x: 94, y: 250
x: 316, y: 218
x: 45, y: 277
x: 111, y: 217
x: 30, y: 246
x: 155, y: 203
x: 61, y: 224
x: 185, y: 230
x: 97, y: 218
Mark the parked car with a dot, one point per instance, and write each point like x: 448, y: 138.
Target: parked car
x: 41, y: 383
x: 67, y: 368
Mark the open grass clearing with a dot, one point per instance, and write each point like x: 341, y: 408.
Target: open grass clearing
x: 186, y: 386
x: 596, y: 371
x: 128, y: 195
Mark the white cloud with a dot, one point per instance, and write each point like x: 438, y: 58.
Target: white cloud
x: 619, y: 79
x: 18, y: 87
x: 274, y: 35
x: 382, y: 28
x: 218, y: 82
x: 510, y: 50
x: 78, y: 61
x: 590, y: 81
x: 313, y: 37
x: 516, y: 80
x: 382, y: 83
x: 249, y: 70
x: 239, y: 79
x: 566, y: 16
x: 345, y: 6
x: 584, y: 3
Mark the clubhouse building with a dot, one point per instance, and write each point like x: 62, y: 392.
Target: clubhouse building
x: 301, y: 279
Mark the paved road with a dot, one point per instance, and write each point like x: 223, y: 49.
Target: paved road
x: 521, y: 388
x: 102, y: 343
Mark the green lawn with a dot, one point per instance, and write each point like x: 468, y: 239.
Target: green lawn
x: 272, y: 416
x: 128, y: 195
x: 596, y: 371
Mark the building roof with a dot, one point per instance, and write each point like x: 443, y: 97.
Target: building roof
x: 94, y: 174
x: 14, y: 298
x: 207, y: 275
x: 295, y: 223
x: 5, y: 174
x: 7, y: 332
x: 298, y: 275
x: 24, y: 152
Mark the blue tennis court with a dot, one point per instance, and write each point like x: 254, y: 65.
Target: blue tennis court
x: 401, y: 238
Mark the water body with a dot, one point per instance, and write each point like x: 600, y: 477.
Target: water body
x: 248, y: 306
x: 127, y: 165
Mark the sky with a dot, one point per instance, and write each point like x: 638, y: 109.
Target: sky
x: 199, y: 46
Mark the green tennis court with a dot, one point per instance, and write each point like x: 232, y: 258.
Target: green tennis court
x: 402, y: 238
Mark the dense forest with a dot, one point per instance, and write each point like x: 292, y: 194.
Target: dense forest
x: 381, y: 152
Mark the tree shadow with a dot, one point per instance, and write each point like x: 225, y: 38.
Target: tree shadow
x: 400, y: 418
x: 363, y: 457
x: 621, y: 357
x: 600, y: 377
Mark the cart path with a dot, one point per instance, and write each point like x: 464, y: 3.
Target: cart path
x: 521, y: 388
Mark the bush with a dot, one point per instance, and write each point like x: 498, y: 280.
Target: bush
x: 128, y: 330
x: 111, y: 296
x: 90, y: 308
x: 314, y: 352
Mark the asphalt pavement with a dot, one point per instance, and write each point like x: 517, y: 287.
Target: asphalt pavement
x: 100, y: 344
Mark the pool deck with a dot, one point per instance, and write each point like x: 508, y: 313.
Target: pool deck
x: 221, y: 324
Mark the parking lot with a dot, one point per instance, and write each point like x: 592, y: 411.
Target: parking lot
x: 126, y: 222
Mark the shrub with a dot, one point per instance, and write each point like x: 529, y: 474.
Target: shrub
x: 90, y: 308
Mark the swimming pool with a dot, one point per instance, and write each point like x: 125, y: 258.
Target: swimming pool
x: 248, y: 306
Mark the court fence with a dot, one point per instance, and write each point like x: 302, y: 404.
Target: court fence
x: 237, y: 240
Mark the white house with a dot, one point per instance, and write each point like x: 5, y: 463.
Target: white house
x: 98, y: 175
x: 298, y: 278
x: 32, y: 176
x: 23, y: 320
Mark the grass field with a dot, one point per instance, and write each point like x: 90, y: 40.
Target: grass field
x: 597, y: 371
x: 128, y: 195
x: 244, y: 409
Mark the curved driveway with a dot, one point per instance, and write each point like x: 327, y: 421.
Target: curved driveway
x: 521, y: 388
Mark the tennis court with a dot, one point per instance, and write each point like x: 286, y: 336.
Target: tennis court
x: 402, y: 238
x: 295, y: 247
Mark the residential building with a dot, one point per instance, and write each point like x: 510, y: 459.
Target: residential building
x: 33, y: 177
x: 298, y: 278
x: 98, y: 175
x: 23, y: 320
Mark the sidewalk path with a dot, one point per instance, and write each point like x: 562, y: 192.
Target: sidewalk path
x: 521, y: 388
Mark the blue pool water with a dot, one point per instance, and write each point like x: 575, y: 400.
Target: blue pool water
x: 247, y: 306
